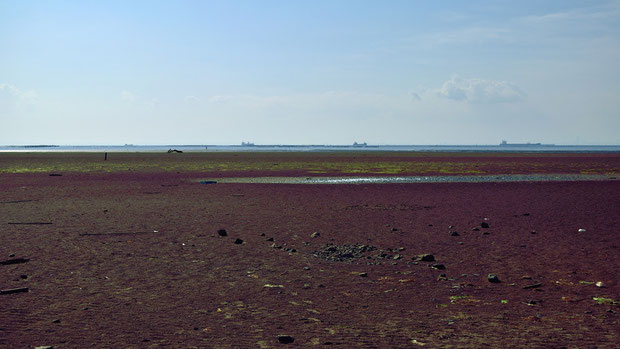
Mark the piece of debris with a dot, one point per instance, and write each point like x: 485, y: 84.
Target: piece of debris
x: 493, y: 278
x: 273, y: 286
x: 14, y: 290
x: 532, y: 286
x: 285, y: 339
x: 174, y: 151
x: 14, y: 261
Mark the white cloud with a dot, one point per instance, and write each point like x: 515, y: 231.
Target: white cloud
x: 480, y: 91
x: 12, y: 96
x: 190, y: 99
x: 127, y: 96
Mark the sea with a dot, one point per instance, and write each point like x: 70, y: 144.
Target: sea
x: 534, y: 148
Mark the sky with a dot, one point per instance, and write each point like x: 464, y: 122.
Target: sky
x: 309, y: 72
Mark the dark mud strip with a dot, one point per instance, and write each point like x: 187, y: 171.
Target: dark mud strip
x: 414, y: 179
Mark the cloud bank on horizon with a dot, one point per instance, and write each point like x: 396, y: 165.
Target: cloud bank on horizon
x: 316, y: 72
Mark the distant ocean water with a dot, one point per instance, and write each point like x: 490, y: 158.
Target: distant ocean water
x: 315, y: 148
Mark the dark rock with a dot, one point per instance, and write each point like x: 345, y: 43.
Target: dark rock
x: 526, y: 214
x: 316, y: 234
x: 270, y: 239
x: 476, y: 229
x: 11, y: 255
x: 222, y: 232
x: 427, y: 257
x: 484, y: 225
x: 238, y: 241
x: 23, y: 276
x: 486, y: 233
x: 306, y: 268
x: 442, y: 276
x: 363, y: 275
x: 454, y: 233
x: 285, y: 339
x: 533, y: 232
x: 397, y: 256
x: 438, y: 266
x: 56, y: 321
x: 262, y: 234
x: 493, y: 278
x: 394, y: 229
x: 55, y: 174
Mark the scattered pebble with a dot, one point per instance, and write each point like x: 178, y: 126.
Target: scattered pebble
x: 600, y: 284
x: 493, y: 278
x: 454, y: 233
x: 426, y: 257
x: 238, y: 241
x: 222, y: 232
x: 285, y: 339
x: 438, y: 266
x: 581, y: 230
x: 484, y: 225
x: 316, y: 234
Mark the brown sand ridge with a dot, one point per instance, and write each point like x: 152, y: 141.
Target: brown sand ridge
x: 128, y: 255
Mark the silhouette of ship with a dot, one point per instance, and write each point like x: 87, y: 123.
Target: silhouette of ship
x: 528, y: 144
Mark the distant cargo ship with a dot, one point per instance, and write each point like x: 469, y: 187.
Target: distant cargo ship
x: 247, y: 144
x: 528, y: 144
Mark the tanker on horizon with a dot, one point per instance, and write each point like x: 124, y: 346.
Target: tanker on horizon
x: 528, y: 144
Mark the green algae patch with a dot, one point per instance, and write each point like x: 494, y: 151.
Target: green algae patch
x: 602, y: 300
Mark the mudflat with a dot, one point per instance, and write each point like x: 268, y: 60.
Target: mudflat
x: 136, y: 252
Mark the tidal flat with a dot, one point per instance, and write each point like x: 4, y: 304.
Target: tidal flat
x: 135, y: 252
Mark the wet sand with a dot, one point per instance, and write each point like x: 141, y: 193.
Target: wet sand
x: 134, y: 259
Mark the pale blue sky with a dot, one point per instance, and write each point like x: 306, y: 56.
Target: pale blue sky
x: 309, y: 72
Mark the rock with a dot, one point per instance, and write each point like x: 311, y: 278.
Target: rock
x: 306, y: 286
x: 285, y: 339
x: 262, y: 234
x: 454, y: 233
x: 14, y: 290
x: 14, y: 261
x: 316, y: 234
x: 11, y: 255
x: 222, y: 232
x: 442, y: 276
x: 493, y: 278
x: 306, y: 268
x: 476, y: 229
x: 533, y: 232
x: 270, y: 239
x: 438, y: 266
x: 427, y: 257
x: 56, y: 321
x: 238, y: 241
x: 581, y: 230
x: 486, y: 233
x: 394, y: 229
x: 484, y: 225
x: 44, y: 347
x: 599, y: 284
x: 23, y: 276
x: 397, y: 256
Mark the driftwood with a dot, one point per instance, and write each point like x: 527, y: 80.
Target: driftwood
x: 31, y: 223
x: 14, y: 261
x: 14, y: 201
x: 14, y: 290
x: 119, y: 233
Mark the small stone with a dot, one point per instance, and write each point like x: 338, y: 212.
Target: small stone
x: 493, y: 278
x: 23, y: 276
x: 44, y: 347
x: 533, y: 232
x: 461, y: 243
x: 306, y: 268
x: 599, y: 284
x: 306, y: 286
x: 56, y: 321
x: 363, y: 275
x: 394, y: 229
x: 222, y: 232
x: 454, y: 233
x: 476, y: 229
x: 11, y: 255
x: 484, y: 225
x: 270, y: 239
x: 486, y: 233
x: 238, y: 241
x: 532, y: 286
x: 316, y: 234
x: 442, y: 276
x: 285, y: 339
x: 581, y: 230
x: 262, y: 234
x: 427, y: 257
x: 438, y: 266
x: 450, y: 226
x: 397, y: 256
